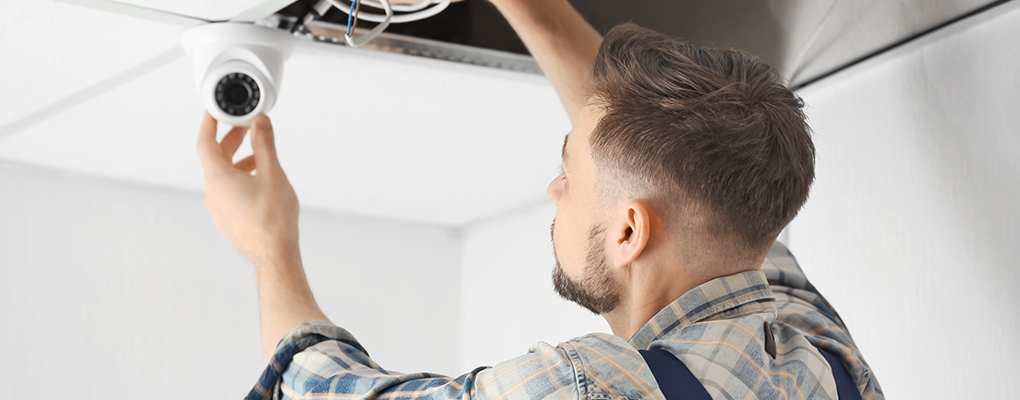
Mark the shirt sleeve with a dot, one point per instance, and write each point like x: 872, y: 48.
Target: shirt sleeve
x: 318, y: 358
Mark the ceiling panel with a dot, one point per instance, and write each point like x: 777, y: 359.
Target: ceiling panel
x: 52, y: 50
x: 781, y: 31
x: 857, y: 28
x: 414, y: 139
x: 208, y: 10
x: 802, y: 38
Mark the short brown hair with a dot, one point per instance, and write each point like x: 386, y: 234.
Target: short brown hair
x: 704, y: 129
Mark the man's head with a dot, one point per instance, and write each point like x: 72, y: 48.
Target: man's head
x: 686, y: 158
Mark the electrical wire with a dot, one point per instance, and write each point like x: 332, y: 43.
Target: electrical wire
x: 415, y: 12
x: 357, y: 11
x: 352, y: 17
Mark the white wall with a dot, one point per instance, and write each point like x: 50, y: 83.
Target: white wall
x: 509, y: 303
x: 912, y: 226
x: 117, y: 291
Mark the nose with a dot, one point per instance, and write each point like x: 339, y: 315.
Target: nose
x: 555, y: 189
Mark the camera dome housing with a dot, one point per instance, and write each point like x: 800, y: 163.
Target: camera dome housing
x: 238, y: 68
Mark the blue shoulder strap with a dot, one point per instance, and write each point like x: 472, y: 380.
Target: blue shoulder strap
x: 845, y: 385
x: 675, y: 380
x: 678, y: 383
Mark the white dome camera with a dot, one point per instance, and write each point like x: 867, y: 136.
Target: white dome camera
x: 238, y: 68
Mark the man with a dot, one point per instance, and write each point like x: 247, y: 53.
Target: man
x: 682, y: 167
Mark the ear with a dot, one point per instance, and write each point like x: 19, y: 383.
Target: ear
x: 630, y: 234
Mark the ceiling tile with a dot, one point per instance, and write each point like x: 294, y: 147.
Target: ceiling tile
x: 219, y: 10
x: 793, y: 35
x: 53, y: 50
x: 857, y: 28
x: 358, y: 132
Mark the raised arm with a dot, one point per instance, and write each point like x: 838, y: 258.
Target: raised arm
x: 562, y: 42
x: 258, y: 215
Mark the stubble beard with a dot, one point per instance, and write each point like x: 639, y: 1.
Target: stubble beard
x: 597, y: 290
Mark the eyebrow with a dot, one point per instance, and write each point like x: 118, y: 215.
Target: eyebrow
x: 563, y: 153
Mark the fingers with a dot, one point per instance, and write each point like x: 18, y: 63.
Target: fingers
x: 246, y: 165
x: 232, y: 141
x: 216, y: 156
x: 209, y: 153
x: 264, y: 144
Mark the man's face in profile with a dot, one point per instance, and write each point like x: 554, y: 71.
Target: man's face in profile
x: 583, y: 272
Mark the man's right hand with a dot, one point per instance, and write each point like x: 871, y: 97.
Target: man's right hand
x: 257, y: 215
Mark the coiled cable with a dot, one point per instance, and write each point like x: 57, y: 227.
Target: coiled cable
x: 413, y: 12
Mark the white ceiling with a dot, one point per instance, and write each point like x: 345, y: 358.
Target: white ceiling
x: 208, y: 10
x: 101, y: 88
x: 416, y: 139
x: 52, y: 50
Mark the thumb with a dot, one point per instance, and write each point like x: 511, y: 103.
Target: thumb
x: 264, y: 144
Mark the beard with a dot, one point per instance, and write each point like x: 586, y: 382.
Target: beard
x: 598, y: 290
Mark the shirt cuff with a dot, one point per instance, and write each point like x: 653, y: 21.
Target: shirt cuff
x: 297, y: 340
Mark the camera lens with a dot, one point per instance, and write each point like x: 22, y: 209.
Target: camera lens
x: 237, y: 94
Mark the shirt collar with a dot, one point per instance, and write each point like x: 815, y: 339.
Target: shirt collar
x: 725, y: 297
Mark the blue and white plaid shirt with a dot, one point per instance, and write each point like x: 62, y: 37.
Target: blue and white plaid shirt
x: 717, y: 330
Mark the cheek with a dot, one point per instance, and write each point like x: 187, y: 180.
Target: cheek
x: 567, y: 242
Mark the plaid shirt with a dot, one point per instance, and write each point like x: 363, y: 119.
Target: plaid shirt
x: 717, y: 330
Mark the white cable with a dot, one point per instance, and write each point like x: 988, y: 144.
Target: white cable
x: 418, y: 11
x: 372, y: 33
x: 400, y: 7
x: 415, y: 16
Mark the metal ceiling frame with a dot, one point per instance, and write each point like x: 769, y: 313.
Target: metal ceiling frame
x: 401, y: 44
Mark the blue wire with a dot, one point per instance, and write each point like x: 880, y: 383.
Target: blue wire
x: 350, y: 16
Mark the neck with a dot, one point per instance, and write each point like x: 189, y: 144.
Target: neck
x: 653, y: 287
x: 646, y: 298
